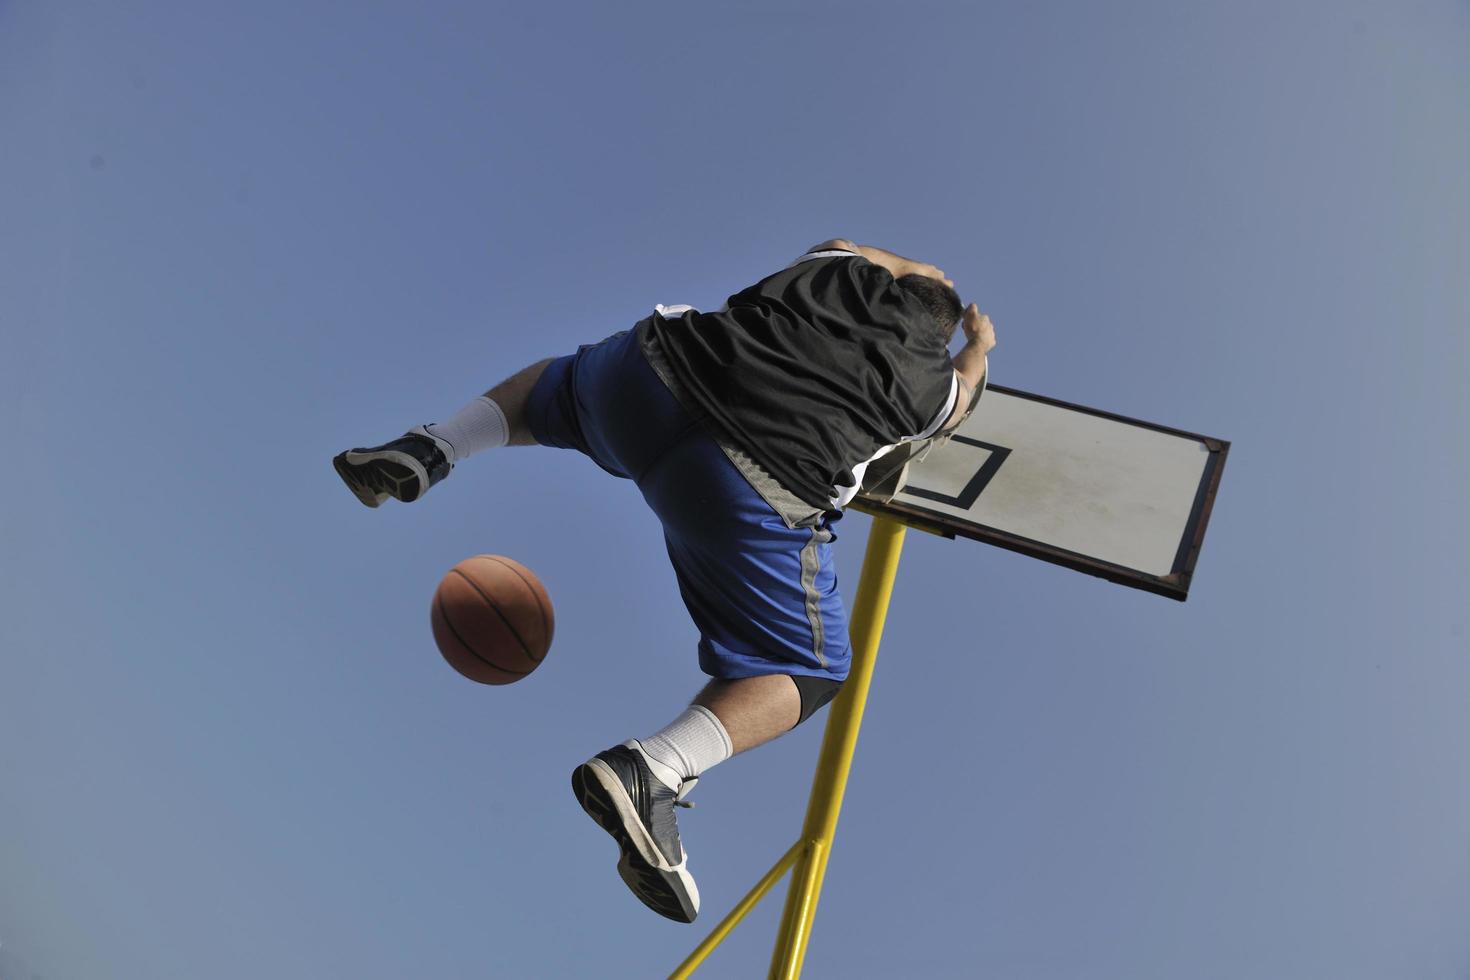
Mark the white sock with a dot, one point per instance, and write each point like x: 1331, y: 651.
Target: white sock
x: 479, y: 425
x: 691, y: 743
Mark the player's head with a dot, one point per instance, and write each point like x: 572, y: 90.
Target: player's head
x: 942, y: 302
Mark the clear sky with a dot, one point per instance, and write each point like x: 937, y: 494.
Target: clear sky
x: 237, y: 238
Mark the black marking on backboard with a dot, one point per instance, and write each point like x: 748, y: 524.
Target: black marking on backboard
x: 977, y: 483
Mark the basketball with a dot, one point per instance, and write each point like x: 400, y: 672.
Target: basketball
x: 492, y: 619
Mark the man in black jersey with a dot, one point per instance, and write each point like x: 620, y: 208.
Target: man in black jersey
x: 747, y: 430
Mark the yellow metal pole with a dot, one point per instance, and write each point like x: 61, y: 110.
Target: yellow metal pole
x: 870, y: 609
x: 729, y: 922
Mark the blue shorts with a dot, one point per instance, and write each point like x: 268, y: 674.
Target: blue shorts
x: 762, y: 594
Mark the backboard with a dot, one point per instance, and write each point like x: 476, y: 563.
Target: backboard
x: 1121, y: 499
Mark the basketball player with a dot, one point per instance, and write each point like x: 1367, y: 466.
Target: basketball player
x: 747, y: 431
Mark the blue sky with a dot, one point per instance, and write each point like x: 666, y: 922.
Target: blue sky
x: 236, y: 239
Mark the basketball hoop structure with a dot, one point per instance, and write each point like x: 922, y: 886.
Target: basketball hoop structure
x: 1113, y: 497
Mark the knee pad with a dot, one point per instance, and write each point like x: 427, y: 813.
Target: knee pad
x: 815, y: 692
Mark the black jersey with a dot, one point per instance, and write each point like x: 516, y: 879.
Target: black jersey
x: 814, y: 371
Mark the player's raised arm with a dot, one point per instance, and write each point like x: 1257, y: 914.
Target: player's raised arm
x: 896, y: 264
x: 900, y: 266
x: 969, y: 363
x: 833, y: 243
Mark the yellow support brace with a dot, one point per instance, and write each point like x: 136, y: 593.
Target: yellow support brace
x: 736, y: 914
x: 809, y: 854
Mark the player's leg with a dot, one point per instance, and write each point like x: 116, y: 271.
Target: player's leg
x: 497, y: 418
x: 632, y: 789
x: 752, y: 710
x: 773, y: 634
x: 727, y: 717
x: 408, y: 466
x: 629, y: 420
x: 732, y: 716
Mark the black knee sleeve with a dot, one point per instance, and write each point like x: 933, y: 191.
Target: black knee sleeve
x: 815, y: 692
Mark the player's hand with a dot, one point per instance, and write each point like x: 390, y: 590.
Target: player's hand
x: 978, y: 329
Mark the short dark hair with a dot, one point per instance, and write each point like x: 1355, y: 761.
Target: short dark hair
x: 942, y: 302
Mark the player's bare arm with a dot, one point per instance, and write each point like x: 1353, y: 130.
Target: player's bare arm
x: 896, y: 264
x: 969, y: 363
x: 900, y: 266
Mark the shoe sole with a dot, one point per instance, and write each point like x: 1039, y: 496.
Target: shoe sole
x: 360, y: 490
x: 403, y: 475
x: 667, y: 889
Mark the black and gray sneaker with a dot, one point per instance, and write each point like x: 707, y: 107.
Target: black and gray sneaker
x: 403, y: 469
x: 619, y: 789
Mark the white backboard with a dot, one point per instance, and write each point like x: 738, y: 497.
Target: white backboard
x: 1115, y: 497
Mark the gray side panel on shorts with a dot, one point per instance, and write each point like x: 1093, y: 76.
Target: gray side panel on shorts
x: 811, y: 562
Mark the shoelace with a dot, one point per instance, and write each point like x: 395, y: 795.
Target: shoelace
x: 684, y: 789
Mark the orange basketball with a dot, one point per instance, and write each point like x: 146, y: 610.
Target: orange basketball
x: 492, y: 619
